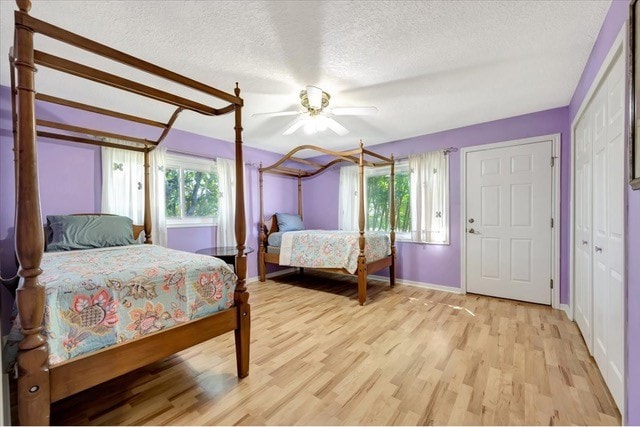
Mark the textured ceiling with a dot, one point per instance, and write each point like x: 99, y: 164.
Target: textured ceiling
x: 427, y: 66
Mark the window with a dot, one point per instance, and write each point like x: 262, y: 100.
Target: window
x: 421, y: 198
x: 191, y: 191
x: 378, y: 206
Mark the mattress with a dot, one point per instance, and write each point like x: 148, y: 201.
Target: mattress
x: 331, y: 248
x: 273, y: 249
x: 99, y: 297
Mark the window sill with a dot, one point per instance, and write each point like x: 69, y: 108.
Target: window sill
x: 192, y: 224
x: 404, y: 240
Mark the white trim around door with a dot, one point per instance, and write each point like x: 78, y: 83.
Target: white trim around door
x: 555, y: 209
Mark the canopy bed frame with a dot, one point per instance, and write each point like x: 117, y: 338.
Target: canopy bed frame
x: 38, y: 383
x: 359, y: 156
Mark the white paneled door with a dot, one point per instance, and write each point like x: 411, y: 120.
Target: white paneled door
x: 509, y: 221
x: 608, y: 229
x: 599, y: 226
x: 583, y: 239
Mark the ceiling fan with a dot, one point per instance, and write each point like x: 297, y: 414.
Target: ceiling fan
x: 316, y: 117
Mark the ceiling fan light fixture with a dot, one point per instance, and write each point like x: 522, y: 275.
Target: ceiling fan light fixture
x: 314, y: 99
x: 315, y: 124
x: 317, y: 117
x: 314, y: 94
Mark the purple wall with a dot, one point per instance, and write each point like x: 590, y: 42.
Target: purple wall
x: 613, y: 23
x: 440, y: 264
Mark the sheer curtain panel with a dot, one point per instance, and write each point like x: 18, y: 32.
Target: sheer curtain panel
x: 348, y: 198
x: 225, y: 235
x: 158, y: 158
x: 429, y: 197
x: 123, y: 187
x: 122, y: 183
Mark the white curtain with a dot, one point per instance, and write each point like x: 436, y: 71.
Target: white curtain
x: 225, y: 235
x: 123, y: 187
x: 348, y: 198
x: 429, y: 197
x: 157, y: 161
x: 122, y: 183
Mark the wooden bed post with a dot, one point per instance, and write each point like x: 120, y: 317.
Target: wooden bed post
x: 33, y: 364
x: 262, y: 266
x: 241, y: 296
x: 147, y: 199
x: 392, y: 223
x: 362, y: 264
x: 300, y: 195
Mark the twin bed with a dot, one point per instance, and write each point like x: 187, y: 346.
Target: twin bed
x: 346, y: 252
x: 91, y: 315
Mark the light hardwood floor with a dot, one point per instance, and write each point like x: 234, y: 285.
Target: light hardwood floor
x: 410, y: 356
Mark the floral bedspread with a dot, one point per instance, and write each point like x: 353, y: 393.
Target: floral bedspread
x: 331, y: 248
x: 99, y: 297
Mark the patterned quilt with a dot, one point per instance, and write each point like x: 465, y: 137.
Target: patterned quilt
x: 98, y: 297
x: 331, y: 248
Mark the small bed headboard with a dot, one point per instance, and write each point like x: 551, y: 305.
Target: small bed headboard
x: 271, y: 225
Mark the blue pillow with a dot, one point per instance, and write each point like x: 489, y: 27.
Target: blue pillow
x: 275, y: 239
x: 289, y: 222
x: 70, y: 232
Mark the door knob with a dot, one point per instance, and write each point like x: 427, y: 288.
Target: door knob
x: 584, y: 242
x: 472, y: 231
x: 471, y: 220
x: 598, y: 249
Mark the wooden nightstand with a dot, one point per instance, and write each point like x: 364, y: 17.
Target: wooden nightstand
x: 225, y: 253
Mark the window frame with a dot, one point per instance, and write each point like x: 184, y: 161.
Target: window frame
x: 181, y: 162
x: 400, y: 167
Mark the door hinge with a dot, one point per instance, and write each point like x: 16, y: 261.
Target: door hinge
x: 553, y: 161
x: 551, y: 283
x: 551, y: 222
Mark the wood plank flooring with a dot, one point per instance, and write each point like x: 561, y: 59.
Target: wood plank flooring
x: 410, y: 356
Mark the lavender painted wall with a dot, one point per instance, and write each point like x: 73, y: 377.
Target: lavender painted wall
x: 613, y: 23
x: 440, y: 264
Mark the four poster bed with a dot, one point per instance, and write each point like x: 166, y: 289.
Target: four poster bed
x: 40, y: 381
x: 356, y: 253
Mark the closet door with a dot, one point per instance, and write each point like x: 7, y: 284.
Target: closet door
x: 583, y: 244
x: 608, y: 230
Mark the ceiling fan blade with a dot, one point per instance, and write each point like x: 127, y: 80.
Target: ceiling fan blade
x: 354, y: 111
x: 276, y: 114
x: 336, y: 127
x: 294, y: 127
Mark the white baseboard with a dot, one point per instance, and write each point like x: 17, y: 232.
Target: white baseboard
x: 383, y: 278
x: 567, y: 309
x: 421, y: 284
x: 273, y: 274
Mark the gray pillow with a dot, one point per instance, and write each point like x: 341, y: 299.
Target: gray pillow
x: 71, y: 232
